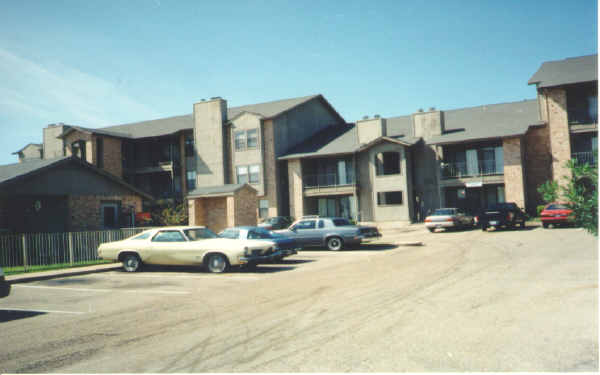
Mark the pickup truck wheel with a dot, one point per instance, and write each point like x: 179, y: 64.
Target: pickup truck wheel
x: 334, y: 243
x: 132, y: 263
x: 431, y: 230
x: 217, y: 263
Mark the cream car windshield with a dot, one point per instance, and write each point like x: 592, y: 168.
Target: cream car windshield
x: 197, y: 234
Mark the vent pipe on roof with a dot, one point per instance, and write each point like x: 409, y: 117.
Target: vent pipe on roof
x: 431, y: 109
x: 365, y: 117
x: 215, y: 97
x: 420, y: 110
x: 376, y: 116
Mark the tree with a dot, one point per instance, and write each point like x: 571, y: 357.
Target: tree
x: 174, y: 214
x: 581, y: 193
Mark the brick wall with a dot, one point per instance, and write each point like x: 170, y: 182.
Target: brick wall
x: 538, y: 164
x: 245, y: 207
x: 558, y: 124
x: 84, y: 211
x: 513, y: 171
x: 113, y: 160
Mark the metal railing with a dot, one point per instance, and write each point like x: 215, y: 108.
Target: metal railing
x: 485, y: 167
x: 327, y: 180
x: 45, y: 249
x: 589, y: 157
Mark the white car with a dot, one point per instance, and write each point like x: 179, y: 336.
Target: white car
x: 187, y: 246
x: 449, y: 218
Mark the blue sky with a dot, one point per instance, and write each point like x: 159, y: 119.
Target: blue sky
x: 98, y: 63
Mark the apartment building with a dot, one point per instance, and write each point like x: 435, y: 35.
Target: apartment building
x: 301, y: 157
x: 400, y: 168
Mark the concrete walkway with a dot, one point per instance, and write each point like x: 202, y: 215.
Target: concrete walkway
x: 45, y: 275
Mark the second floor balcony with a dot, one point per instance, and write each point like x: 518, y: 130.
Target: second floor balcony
x: 589, y: 157
x: 485, y: 167
x: 327, y: 180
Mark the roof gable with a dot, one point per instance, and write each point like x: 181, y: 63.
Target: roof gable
x: 568, y: 71
x: 218, y: 190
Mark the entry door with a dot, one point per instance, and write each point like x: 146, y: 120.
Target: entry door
x: 109, y: 213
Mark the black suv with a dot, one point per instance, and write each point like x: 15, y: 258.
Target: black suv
x: 506, y: 215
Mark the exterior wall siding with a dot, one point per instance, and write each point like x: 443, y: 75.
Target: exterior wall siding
x: 249, y: 157
x: 295, y: 188
x: 209, y: 119
x: 513, y: 171
x: 245, y: 207
x: 112, y: 158
x: 558, y: 124
x: 270, y: 172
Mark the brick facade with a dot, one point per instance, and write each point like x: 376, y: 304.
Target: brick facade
x: 538, y: 161
x: 270, y: 173
x: 295, y: 187
x: 218, y: 213
x: 558, y: 124
x: 513, y: 171
x: 84, y: 211
x: 113, y: 160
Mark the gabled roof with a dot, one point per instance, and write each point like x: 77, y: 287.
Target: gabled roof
x: 335, y: 139
x: 397, y: 140
x: 174, y: 124
x: 488, y: 121
x: 101, y: 131
x: 37, y: 145
x: 567, y: 71
x: 13, y: 172
x: 217, y: 191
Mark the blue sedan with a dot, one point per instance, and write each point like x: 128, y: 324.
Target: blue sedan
x: 288, y: 246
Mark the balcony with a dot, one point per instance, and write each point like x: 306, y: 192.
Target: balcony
x: 459, y: 170
x: 589, y: 157
x: 328, y: 184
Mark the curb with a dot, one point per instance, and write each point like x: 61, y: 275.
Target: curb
x: 46, y: 275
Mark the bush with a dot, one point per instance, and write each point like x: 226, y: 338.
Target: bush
x: 173, y: 214
x: 549, y: 191
x: 539, y: 209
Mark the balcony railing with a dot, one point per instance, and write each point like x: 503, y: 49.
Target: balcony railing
x: 485, y: 167
x: 327, y: 180
x: 589, y: 157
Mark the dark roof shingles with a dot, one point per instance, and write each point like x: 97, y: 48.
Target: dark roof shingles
x: 567, y: 71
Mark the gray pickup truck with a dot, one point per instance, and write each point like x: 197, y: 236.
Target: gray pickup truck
x: 331, y: 232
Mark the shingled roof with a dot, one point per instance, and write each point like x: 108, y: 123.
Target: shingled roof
x: 174, y: 124
x: 567, y: 71
x: 216, y: 191
x: 488, y: 121
x: 14, y: 172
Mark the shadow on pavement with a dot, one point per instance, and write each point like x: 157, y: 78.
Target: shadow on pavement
x: 8, y: 315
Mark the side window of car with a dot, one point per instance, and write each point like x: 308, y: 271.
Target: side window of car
x: 305, y: 224
x: 321, y: 224
x: 169, y: 236
x: 252, y: 235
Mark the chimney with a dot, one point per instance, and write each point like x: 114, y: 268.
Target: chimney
x: 210, y: 117
x: 370, y: 129
x: 428, y: 124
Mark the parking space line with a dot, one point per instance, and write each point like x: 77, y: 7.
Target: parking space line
x: 103, y: 290
x: 42, y: 311
x: 203, y: 277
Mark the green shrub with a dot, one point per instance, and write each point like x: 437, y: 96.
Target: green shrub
x: 539, y: 209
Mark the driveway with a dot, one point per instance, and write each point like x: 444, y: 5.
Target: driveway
x: 524, y: 300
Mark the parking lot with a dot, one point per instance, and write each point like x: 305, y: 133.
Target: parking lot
x: 522, y: 300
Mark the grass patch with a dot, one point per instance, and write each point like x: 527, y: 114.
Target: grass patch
x: 50, y: 267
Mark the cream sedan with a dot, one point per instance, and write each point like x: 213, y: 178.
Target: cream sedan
x: 187, y: 246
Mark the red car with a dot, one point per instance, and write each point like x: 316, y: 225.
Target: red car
x: 556, y: 214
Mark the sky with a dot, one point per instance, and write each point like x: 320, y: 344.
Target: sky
x: 100, y: 63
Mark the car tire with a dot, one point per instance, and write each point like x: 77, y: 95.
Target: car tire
x: 523, y: 224
x: 545, y: 225
x: 217, y: 263
x: 484, y: 227
x: 132, y: 263
x: 335, y: 243
x: 432, y: 230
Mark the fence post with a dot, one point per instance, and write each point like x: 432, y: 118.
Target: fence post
x: 71, y: 248
x: 25, y: 262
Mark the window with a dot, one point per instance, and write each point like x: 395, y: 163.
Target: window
x: 169, y: 236
x: 389, y: 198
x: 240, y: 140
x: 199, y: 234
x: 230, y: 233
x: 341, y: 222
x: 387, y: 163
x: 582, y: 105
x: 252, y: 138
x: 191, y: 180
x: 245, y: 139
x: 143, y: 236
x: 78, y: 149
x: 305, y: 224
x: 254, y: 174
x: 263, y: 208
x: 321, y: 224
x: 189, y: 145
x: 100, y: 152
x: 242, y: 175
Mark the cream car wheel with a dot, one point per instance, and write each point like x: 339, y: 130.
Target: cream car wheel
x: 217, y: 263
x: 131, y: 263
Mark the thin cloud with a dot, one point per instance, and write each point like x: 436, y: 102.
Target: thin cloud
x: 54, y: 92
